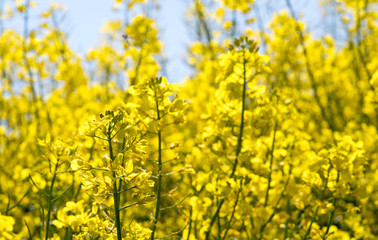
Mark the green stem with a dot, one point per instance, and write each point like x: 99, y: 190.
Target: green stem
x: 233, y: 211
x: 310, y: 73
x: 271, y: 165
x: 115, y: 190
x: 275, y: 209
x: 50, y: 206
x: 116, y: 209
x: 190, y: 223
x: 123, y: 164
x: 205, y: 26
x: 330, y: 219
x: 27, y: 64
x: 317, y: 208
x: 202, y: 20
x: 286, y: 230
x: 17, y: 203
x: 240, y: 140
x: 238, y: 147
x: 160, y: 169
x: 29, y: 232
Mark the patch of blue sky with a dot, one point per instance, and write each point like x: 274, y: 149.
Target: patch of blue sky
x: 83, y: 20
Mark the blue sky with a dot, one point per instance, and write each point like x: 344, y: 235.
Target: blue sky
x: 84, y: 19
x: 87, y: 16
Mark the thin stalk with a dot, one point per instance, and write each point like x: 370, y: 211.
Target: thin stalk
x: 270, y: 165
x: 233, y: 211
x: 190, y: 223
x: 240, y: 141
x: 202, y: 21
x: 275, y: 207
x: 115, y: 190
x: 330, y: 219
x: 317, y: 208
x: 358, y: 54
x: 218, y: 219
x: 245, y: 230
x: 358, y: 23
x: 176, y: 204
x: 9, y: 208
x: 234, y: 23
x: 29, y: 232
x: 260, y: 25
x: 25, y: 58
x: 286, y: 230
x: 123, y: 164
x: 68, y: 234
x: 174, y: 234
x: 238, y: 147
x: 107, y: 80
x: 50, y: 197
x: 130, y: 205
x: 43, y: 219
x: 160, y: 170
x: 214, y: 218
x: 219, y: 227
x: 253, y: 226
x: 310, y: 73
x: 133, y: 80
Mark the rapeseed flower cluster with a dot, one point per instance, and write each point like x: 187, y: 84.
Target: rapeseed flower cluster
x: 274, y: 135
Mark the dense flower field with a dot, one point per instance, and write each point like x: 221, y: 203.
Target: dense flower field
x: 273, y: 136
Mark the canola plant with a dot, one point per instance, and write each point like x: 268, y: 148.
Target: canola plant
x: 272, y: 136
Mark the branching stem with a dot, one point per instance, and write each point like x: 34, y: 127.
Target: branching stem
x: 317, y: 208
x: 160, y: 169
x: 270, y: 165
x: 50, y: 198
x: 238, y: 147
x: 330, y: 219
x: 116, y: 197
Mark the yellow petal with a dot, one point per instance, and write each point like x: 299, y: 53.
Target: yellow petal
x: 129, y: 166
